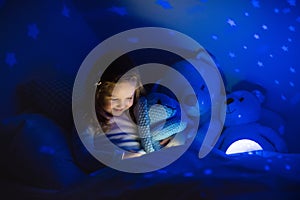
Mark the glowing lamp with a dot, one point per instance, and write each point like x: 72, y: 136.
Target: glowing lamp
x: 243, y: 145
x: 250, y: 137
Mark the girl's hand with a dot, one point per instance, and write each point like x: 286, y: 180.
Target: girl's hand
x: 165, y: 141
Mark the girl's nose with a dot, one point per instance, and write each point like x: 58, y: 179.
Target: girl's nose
x: 121, y: 104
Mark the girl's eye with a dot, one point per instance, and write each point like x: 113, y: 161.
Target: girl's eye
x: 129, y: 98
x: 114, y: 99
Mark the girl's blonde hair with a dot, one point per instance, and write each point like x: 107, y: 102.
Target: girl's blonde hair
x: 105, y: 89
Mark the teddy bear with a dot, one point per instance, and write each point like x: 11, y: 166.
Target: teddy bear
x: 191, y: 87
x: 192, y: 94
x: 192, y: 91
x: 249, y: 126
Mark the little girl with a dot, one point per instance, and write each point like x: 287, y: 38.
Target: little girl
x: 114, y: 102
x: 122, y: 109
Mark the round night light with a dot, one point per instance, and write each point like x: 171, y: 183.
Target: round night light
x: 244, y: 145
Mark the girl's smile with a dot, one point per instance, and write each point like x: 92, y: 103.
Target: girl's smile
x: 121, y: 99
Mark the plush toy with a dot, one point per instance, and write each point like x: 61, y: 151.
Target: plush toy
x: 196, y: 102
x: 250, y: 126
x: 190, y: 86
x: 192, y: 93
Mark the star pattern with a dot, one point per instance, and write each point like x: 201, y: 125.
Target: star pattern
x: 214, y: 37
x: 291, y: 2
x: 237, y: 70
x: 263, y: 41
x: 10, y: 59
x: 255, y: 3
x: 283, y: 97
x: 292, y: 28
x: 285, y: 48
x: 65, y: 11
x: 261, y: 35
x: 292, y: 69
x: 231, y: 22
x: 256, y: 36
x: 33, y: 31
x: 264, y: 27
x: 260, y: 64
x: 231, y: 55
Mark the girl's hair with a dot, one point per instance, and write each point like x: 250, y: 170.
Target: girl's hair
x: 105, y: 88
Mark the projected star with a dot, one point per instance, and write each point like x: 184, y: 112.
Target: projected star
x: 256, y: 36
x: 246, y: 14
x: 276, y: 82
x: 207, y: 171
x: 231, y: 22
x: 292, y: 28
x: 292, y: 69
x: 255, y: 3
x: 231, y: 55
x: 291, y: 2
x: 291, y: 84
x: 264, y: 27
x: 10, y: 59
x: 164, y: 4
x: 287, y: 167
x: 283, y: 97
x: 276, y: 10
x: 285, y: 48
x: 259, y: 63
x: 237, y: 70
x: 188, y: 174
x: 118, y: 10
x: 267, y: 167
x: 33, y: 31
x: 65, y: 11
x: 214, y: 37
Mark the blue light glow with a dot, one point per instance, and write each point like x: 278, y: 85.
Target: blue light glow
x: 33, y: 31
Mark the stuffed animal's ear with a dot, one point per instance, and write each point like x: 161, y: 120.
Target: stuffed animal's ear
x: 259, y: 95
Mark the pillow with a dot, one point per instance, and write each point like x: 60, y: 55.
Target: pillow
x: 52, y: 98
x: 37, y: 152
x: 82, y: 157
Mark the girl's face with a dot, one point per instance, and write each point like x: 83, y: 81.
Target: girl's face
x: 121, y: 99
